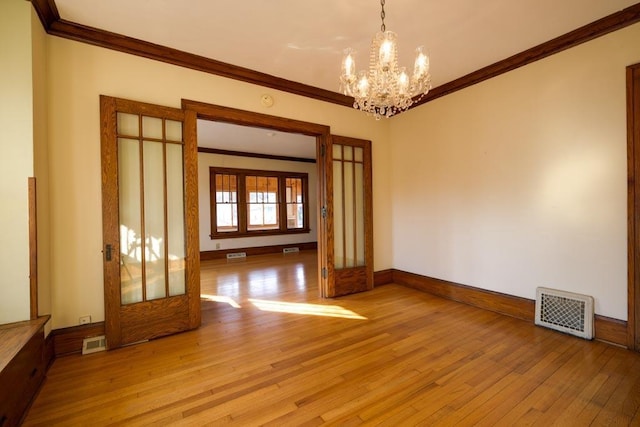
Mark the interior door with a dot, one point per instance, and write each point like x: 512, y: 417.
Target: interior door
x: 150, y: 228
x: 347, y: 216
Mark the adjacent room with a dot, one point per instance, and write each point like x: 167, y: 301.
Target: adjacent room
x: 320, y: 213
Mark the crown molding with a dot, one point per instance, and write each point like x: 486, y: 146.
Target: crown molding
x: 54, y: 25
x: 601, y: 27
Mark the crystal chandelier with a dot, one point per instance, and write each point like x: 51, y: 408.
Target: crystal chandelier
x: 385, y: 89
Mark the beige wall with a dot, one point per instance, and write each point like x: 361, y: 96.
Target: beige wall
x: 206, y: 160
x: 16, y: 162
x: 77, y: 75
x: 520, y: 181
x: 41, y: 162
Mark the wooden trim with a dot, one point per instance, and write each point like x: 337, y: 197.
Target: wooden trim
x: 192, y: 215
x: 253, y: 155
x: 606, y: 329
x: 47, y: 12
x: 383, y: 277
x: 260, y: 250
x: 33, y: 249
x: 69, y: 340
x: 520, y: 308
x: 633, y: 206
x: 601, y: 27
x: 611, y: 330
x: 130, y: 45
x: 219, y: 113
x: 52, y: 23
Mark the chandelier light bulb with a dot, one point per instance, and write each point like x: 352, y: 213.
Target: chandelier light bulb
x: 385, y: 88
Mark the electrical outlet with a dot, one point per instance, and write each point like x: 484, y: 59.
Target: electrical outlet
x: 217, y: 245
x: 84, y: 320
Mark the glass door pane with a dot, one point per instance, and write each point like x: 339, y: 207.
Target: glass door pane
x: 348, y: 206
x: 151, y: 208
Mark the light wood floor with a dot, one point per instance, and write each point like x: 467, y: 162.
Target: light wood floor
x: 395, y: 357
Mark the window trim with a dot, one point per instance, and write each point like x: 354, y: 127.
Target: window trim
x: 242, y: 203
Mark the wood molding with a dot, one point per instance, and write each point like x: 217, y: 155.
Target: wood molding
x: 383, y: 277
x: 259, y: 250
x: 69, y: 340
x: 109, y: 40
x: 601, y: 27
x: 633, y: 207
x: 520, y: 308
x: 606, y: 329
x: 33, y: 249
x: 50, y: 18
x: 253, y: 155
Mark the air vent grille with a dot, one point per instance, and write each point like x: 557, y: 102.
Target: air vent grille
x: 565, y: 312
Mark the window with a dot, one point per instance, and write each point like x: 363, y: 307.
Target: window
x: 248, y: 202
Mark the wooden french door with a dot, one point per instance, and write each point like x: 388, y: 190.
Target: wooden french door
x: 150, y: 221
x: 347, y: 216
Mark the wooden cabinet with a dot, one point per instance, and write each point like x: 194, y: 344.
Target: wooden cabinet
x: 24, y: 360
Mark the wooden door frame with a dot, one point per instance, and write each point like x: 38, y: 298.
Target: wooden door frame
x: 633, y: 209
x: 218, y: 113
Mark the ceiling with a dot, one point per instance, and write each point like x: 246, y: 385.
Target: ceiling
x: 227, y: 136
x: 303, y: 41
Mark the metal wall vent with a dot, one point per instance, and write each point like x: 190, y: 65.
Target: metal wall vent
x: 94, y: 344
x: 565, y: 312
x: 290, y: 250
x: 237, y: 255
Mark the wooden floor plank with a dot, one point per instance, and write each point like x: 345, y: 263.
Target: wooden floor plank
x: 409, y: 359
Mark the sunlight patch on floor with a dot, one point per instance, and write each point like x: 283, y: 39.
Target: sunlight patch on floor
x: 308, y: 309
x: 220, y: 298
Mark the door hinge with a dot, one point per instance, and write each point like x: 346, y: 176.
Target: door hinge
x: 323, y: 212
x: 324, y: 272
x: 322, y: 148
x: 107, y: 252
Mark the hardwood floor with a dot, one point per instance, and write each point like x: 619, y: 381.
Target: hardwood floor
x: 271, y: 352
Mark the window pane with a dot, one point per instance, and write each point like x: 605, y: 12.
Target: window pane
x: 226, y: 203
x: 262, y: 209
x: 295, y: 208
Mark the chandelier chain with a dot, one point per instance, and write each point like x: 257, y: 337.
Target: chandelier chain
x: 382, y: 15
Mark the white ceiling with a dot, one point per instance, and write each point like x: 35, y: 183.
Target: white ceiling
x: 226, y: 136
x: 303, y: 40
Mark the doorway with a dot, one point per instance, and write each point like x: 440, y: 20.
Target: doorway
x: 258, y: 204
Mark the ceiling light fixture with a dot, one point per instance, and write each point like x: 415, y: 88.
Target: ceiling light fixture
x: 386, y: 88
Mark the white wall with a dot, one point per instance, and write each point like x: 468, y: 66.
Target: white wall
x: 520, y: 181
x: 207, y: 160
x: 77, y: 75
x: 16, y: 162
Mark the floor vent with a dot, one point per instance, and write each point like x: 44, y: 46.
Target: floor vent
x: 290, y: 250
x: 94, y: 344
x: 237, y: 255
x: 565, y: 312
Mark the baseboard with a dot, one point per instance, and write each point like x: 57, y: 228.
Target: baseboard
x: 260, y: 250
x: 69, y: 340
x: 606, y: 328
x: 383, y: 277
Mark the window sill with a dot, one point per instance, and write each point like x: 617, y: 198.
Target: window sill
x: 236, y: 235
